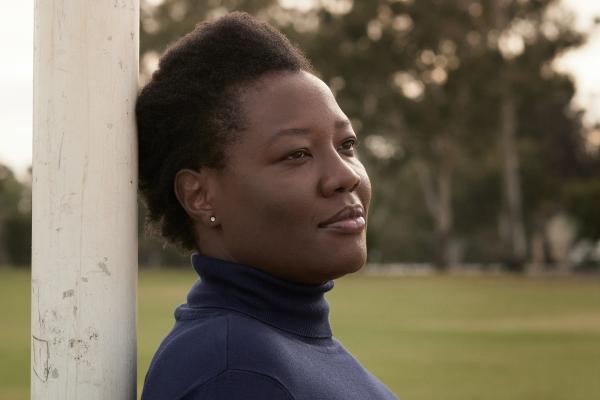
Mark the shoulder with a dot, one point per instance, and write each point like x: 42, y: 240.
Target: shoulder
x: 258, y: 346
x: 195, y: 351
x: 217, y: 353
x: 235, y: 384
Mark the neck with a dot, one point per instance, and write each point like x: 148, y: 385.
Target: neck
x: 293, y: 307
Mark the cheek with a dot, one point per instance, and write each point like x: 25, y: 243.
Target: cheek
x: 271, y: 205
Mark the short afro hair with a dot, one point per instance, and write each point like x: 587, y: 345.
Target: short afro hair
x: 187, y: 113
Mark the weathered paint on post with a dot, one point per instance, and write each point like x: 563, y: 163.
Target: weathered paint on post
x: 84, y: 267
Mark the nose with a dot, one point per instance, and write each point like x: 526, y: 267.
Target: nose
x: 338, y: 176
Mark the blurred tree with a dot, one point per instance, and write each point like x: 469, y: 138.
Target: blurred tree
x: 452, y: 83
x: 15, y: 219
x: 581, y: 200
x: 152, y: 250
x: 468, y: 131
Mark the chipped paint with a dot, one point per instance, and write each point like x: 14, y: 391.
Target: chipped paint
x: 84, y: 247
x: 103, y: 267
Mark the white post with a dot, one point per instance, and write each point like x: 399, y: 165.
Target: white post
x: 84, y: 267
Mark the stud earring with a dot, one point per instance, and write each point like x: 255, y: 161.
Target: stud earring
x: 213, y: 218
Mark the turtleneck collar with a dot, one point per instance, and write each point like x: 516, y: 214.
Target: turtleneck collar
x: 293, y: 307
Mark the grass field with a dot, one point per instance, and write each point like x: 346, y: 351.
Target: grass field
x: 438, y: 338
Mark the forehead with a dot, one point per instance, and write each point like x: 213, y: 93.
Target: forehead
x: 287, y: 99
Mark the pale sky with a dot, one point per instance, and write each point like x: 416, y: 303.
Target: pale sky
x: 16, y: 42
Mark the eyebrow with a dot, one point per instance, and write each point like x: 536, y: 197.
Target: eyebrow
x: 338, y: 125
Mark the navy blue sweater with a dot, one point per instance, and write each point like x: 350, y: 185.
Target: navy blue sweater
x: 244, y: 334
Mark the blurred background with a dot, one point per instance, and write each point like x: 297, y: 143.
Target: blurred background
x: 479, y: 123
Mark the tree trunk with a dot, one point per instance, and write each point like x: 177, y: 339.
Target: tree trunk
x: 437, y: 191
x: 513, y: 231
x: 4, y: 258
x: 436, y: 188
x: 444, y: 213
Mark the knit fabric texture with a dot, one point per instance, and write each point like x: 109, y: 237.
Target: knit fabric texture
x: 245, y: 334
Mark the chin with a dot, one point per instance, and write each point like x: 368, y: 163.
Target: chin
x: 346, y: 262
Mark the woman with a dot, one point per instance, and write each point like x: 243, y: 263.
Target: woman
x: 247, y: 160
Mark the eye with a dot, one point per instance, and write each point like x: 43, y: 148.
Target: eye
x: 349, y: 145
x: 298, y: 155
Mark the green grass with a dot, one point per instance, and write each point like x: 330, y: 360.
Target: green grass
x: 426, y: 338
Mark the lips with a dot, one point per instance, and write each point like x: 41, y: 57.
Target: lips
x: 350, y: 219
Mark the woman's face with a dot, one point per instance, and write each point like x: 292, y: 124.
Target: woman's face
x: 293, y: 197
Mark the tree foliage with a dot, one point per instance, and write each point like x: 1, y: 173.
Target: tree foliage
x: 15, y: 219
x: 468, y: 131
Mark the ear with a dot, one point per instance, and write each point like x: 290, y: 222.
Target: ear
x: 193, y: 190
